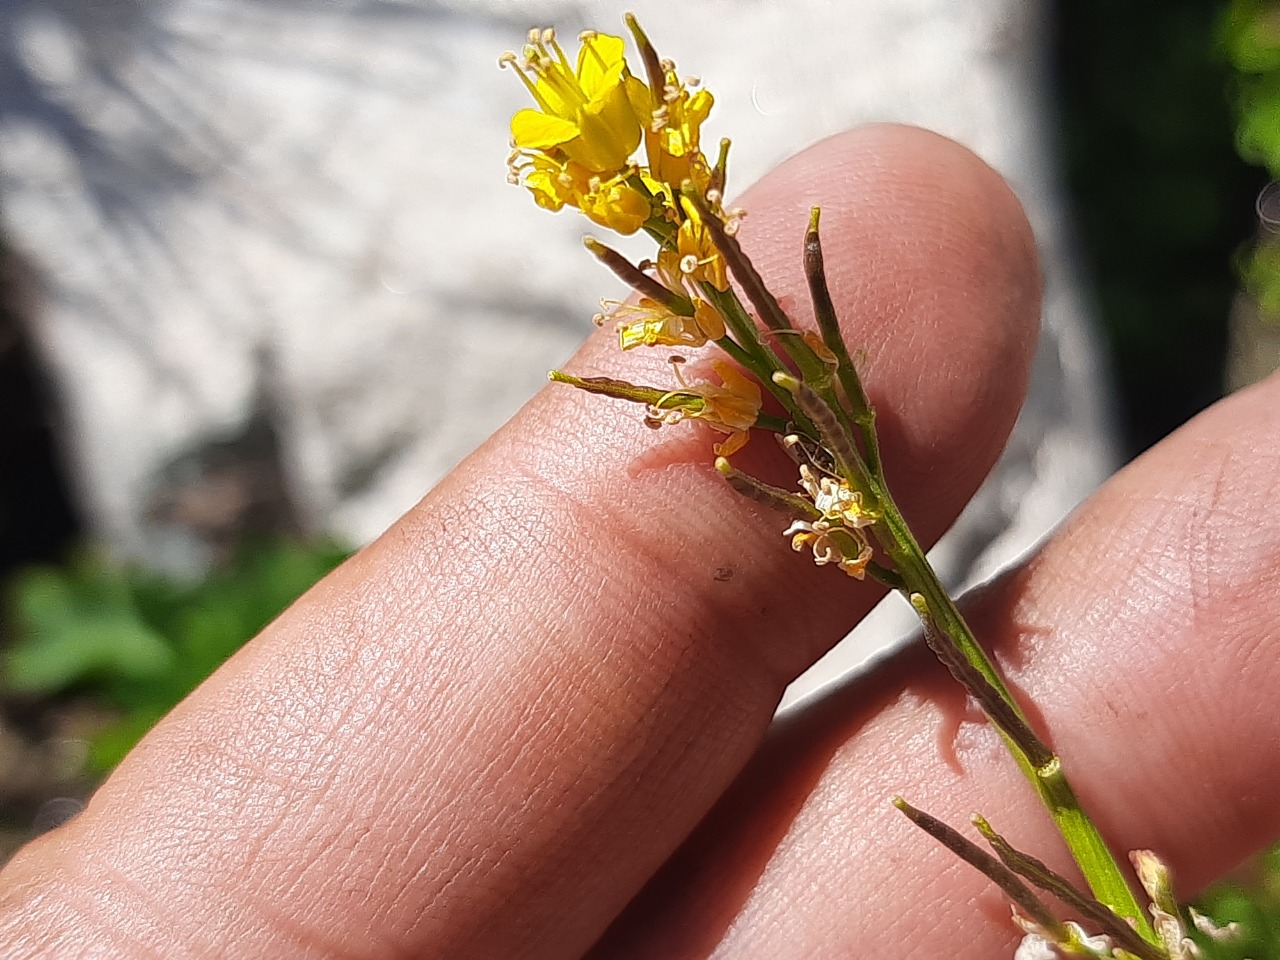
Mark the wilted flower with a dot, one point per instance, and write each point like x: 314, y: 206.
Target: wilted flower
x: 651, y: 324
x: 837, y: 536
x: 831, y: 542
x: 1039, y: 945
x: 732, y: 406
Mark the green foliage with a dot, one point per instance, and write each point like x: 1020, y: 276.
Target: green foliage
x: 1250, y: 37
x: 1254, y: 903
x: 1160, y: 197
x: 138, y: 641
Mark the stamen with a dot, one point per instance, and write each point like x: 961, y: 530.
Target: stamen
x: 676, y: 360
x: 550, y: 38
x: 587, y: 38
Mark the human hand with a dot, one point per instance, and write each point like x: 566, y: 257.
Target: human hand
x: 483, y: 735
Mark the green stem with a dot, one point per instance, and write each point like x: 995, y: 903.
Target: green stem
x: 756, y: 355
x: 768, y: 309
x: 1096, y: 862
x: 939, y: 614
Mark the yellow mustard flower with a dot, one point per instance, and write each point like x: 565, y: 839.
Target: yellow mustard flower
x: 612, y: 203
x: 731, y: 406
x: 672, y: 139
x: 615, y: 203
x: 695, y: 256
x: 651, y: 324
x: 593, y: 115
x: 552, y: 182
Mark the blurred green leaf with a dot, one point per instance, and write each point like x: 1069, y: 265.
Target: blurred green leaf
x: 139, y: 642
x: 1249, y: 34
x: 77, y: 626
x: 1252, y: 900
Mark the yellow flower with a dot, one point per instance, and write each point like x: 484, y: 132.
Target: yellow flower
x: 552, y: 183
x: 731, y: 406
x: 695, y: 256
x: 616, y: 204
x: 699, y: 258
x: 592, y: 115
x: 612, y: 203
x: 673, y: 135
x: 650, y: 324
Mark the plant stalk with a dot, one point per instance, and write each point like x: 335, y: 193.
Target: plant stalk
x: 1097, y: 863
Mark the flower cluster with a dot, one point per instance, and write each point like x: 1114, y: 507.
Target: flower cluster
x: 627, y: 153
x: 576, y: 149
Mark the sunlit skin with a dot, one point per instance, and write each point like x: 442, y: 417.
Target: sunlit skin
x: 533, y: 719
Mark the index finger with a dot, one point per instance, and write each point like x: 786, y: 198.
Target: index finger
x: 483, y: 733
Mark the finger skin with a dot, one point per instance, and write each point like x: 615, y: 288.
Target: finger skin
x: 483, y: 733
x: 1143, y: 639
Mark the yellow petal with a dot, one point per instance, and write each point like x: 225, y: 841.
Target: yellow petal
x: 709, y: 320
x: 641, y: 99
x: 696, y: 111
x: 609, y: 133
x: 618, y: 207
x: 737, y: 405
x: 731, y: 445
x: 601, y: 62
x: 535, y: 130
x: 546, y: 191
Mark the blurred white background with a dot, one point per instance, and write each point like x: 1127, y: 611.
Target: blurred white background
x: 278, y: 233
